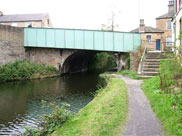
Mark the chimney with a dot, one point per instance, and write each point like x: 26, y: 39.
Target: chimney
x: 171, y: 6
x: 142, y: 26
x: 1, y: 13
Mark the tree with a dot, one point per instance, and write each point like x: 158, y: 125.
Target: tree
x: 110, y: 26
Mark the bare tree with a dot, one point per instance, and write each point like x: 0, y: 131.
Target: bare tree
x: 110, y: 26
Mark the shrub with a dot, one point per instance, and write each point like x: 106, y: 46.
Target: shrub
x: 23, y: 70
x: 102, y: 62
x: 50, y: 122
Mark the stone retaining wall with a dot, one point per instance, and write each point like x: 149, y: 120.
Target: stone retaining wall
x: 134, y: 61
x: 11, y: 44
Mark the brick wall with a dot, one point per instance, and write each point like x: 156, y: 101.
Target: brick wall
x: 134, y: 61
x: 48, y: 56
x: 162, y: 25
x: 11, y: 44
x: 152, y: 44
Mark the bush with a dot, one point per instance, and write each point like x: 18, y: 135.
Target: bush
x: 102, y: 62
x: 24, y: 70
x: 165, y: 94
x: 166, y: 104
x: 50, y: 122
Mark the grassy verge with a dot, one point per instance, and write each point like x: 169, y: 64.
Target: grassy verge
x: 104, y: 116
x: 129, y: 74
x: 165, y: 102
x: 22, y: 70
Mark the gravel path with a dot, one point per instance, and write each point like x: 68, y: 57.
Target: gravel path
x: 141, y: 119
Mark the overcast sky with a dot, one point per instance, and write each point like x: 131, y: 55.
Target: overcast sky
x: 90, y: 14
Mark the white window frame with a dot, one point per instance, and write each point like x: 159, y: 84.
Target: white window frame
x: 168, y: 42
x: 14, y: 24
x: 149, y: 40
x: 167, y: 25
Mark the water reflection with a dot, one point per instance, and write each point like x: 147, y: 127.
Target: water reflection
x: 20, y: 102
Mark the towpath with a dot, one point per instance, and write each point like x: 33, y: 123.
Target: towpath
x: 141, y: 119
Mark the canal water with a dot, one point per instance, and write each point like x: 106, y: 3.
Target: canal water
x: 21, y: 106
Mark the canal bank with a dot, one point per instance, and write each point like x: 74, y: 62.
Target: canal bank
x: 104, y: 115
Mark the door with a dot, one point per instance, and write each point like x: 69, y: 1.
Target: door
x: 158, y: 44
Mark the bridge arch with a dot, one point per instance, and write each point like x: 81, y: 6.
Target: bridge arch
x: 80, y: 61
x: 77, y: 62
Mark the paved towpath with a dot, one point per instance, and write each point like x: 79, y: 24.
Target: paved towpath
x: 141, y: 119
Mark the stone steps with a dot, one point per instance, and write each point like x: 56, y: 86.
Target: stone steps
x: 150, y: 69
x: 151, y: 65
x: 144, y: 76
x: 150, y: 73
x: 152, y: 60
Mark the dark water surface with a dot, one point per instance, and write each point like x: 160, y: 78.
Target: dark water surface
x: 20, y: 102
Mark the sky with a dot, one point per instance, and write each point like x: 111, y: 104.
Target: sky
x: 90, y: 14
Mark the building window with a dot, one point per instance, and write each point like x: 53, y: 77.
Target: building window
x: 14, y: 24
x: 169, y: 41
x: 29, y: 25
x: 168, y: 25
x: 47, y: 23
x: 149, y: 38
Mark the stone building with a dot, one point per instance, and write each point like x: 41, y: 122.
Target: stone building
x: 26, y: 20
x: 159, y: 38
x: 164, y: 23
x: 150, y: 37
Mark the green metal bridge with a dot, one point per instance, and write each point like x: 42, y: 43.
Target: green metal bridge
x: 81, y: 39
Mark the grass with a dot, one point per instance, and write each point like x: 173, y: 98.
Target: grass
x: 167, y: 104
x: 104, y: 116
x: 21, y: 70
x: 129, y: 74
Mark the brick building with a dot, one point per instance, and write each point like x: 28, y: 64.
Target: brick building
x: 159, y: 38
x: 26, y: 20
x: 151, y: 37
x: 164, y: 23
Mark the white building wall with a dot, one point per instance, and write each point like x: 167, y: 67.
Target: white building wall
x: 175, y: 36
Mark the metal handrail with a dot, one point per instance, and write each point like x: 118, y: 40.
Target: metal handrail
x: 140, y: 68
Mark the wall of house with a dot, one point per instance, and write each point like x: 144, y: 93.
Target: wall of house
x: 162, y: 25
x: 11, y: 44
x: 152, y: 44
x: 176, y: 32
x: 42, y: 23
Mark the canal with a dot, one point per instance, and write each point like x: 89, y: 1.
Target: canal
x: 21, y: 106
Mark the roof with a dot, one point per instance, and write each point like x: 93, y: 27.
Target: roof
x: 167, y: 15
x: 148, y: 29
x: 22, y: 17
